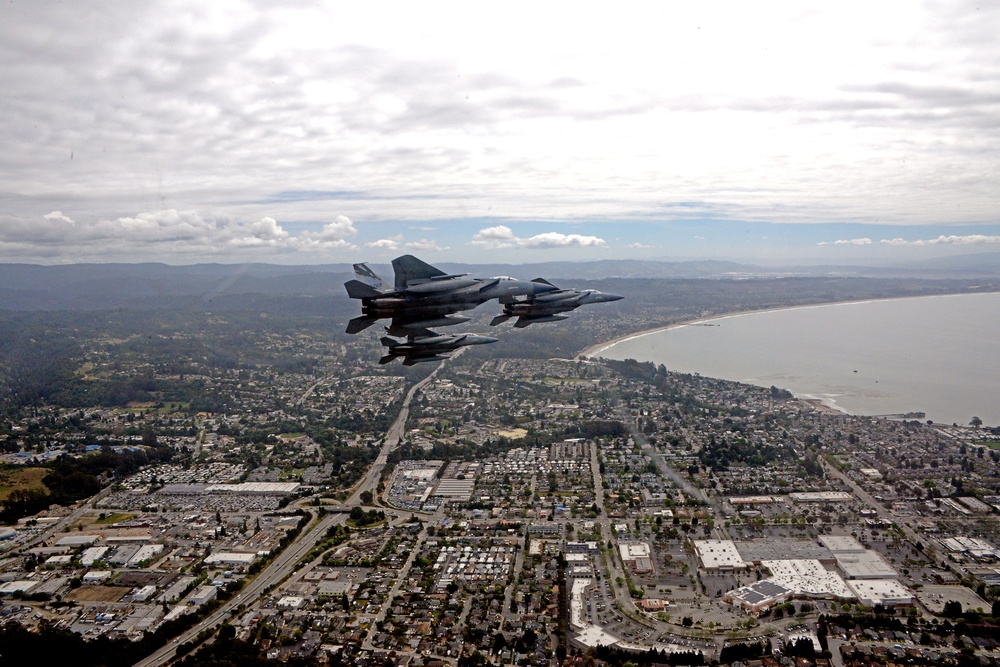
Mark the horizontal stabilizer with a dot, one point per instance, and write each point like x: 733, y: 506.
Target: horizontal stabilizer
x: 411, y: 360
x: 359, y: 324
x: 524, y: 321
x: 387, y: 358
x: 443, y: 321
x: 359, y: 290
x: 499, y: 319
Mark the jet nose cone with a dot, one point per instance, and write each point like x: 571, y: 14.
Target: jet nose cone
x: 473, y: 339
x: 601, y: 297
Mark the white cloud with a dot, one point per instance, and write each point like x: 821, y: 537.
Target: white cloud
x: 383, y: 244
x: 969, y: 239
x: 270, y: 111
x: 502, y: 236
x: 58, y: 215
x: 638, y: 246
x: 861, y: 241
x: 557, y: 240
x: 338, y: 230
x: 426, y: 245
x: 163, y: 234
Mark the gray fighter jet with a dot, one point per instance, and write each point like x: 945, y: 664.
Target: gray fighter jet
x: 423, y: 296
x: 546, y: 306
x: 424, y: 346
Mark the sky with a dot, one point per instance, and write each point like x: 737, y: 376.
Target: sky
x: 313, y: 132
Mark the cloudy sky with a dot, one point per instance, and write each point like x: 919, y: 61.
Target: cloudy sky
x: 313, y: 133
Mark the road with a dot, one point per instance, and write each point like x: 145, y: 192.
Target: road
x: 283, y: 564
x: 879, y: 508
x: 274, y: 573
x: 64, y: 523
x: 392, y: 438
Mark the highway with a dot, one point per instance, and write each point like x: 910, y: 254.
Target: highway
x: 274, y: 573
x: 315, y: 531
x: 392, y: 438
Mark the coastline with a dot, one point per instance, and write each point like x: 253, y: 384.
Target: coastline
x: 817, y: 403
x: 593, y: 350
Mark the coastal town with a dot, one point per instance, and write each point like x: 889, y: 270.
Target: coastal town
x: 500, y: 511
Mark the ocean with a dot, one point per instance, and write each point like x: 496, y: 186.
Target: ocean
x: 935, y: 354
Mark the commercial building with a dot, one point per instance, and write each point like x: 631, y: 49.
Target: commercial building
x: 96, y: 577
x: 719, y: 555
x: 758, y: 596
x: 230, y: 558
x: 885, y: 592
x: 202, y: 595
x: 636, y: 555
x: 821, y: 497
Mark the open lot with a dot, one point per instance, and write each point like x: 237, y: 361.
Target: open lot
x: 97, y: 594
x: 12, y: 479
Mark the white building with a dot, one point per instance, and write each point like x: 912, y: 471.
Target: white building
x: 719, y: 555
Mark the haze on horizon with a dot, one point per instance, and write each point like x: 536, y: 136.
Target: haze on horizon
x: 231, y: 131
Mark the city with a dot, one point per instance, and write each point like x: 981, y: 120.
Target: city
x: 503, y: 511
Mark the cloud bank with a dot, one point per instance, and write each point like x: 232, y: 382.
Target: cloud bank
x: 502, y: 236
x: 955, y: 240
x: 171, y: 232
x: 257, y: 124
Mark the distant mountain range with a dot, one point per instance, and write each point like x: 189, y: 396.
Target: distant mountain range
x: 142, y: 286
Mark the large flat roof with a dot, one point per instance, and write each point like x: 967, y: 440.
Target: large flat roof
x: 719, y: 554
x: 807, y: 577
x: 866, y: 565
x: 843, y: 544
x: 881, y: 591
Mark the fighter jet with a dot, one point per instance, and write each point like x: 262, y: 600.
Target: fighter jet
x: 546, y: 306
x: 423, y: 346
x: 423, y: 296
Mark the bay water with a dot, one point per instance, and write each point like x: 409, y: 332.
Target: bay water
x: 938, y: 354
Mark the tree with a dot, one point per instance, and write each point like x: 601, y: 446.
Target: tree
x: 952, y: 609
x: 976, y: 422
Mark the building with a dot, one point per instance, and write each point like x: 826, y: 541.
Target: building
x: 758, y: 596
x: 719, y: 555
x: 202, y: 595
x: 546, y: 529
x: 886, y: 592
x: 96, y: 577
x: 230, y: 558
x: 77, y: 540
x: 636, y: 556
x: 821, y: 497
x: 329, y: 590
x: 143, y: 594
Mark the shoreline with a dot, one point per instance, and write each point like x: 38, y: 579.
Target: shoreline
x: 818, y: 403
